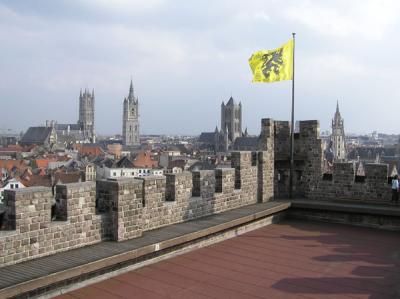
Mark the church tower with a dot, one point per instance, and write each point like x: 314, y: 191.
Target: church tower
x: 231, y: 119
x: 130, y: 120
x: 338, y: 137
x: 86, y: 114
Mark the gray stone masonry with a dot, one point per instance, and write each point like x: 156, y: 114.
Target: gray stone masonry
x: 89, y: 212
x: 307, y: 158
x: 122, y: 209
x: 343, y: 185
x: 125, y: 207
x: 30, y: 233
x: 224, y: 180
x: 266, y: 161
x: 308, y: 177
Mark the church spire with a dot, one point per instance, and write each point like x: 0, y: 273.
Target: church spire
x: 337, y: 113
x: 131, y: 90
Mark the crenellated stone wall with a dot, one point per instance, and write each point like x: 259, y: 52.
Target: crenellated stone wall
x: 122, y: 209
x: 344, y: 185
x: 29, y: 231
x: 307, y: 158
x: 309, y: 181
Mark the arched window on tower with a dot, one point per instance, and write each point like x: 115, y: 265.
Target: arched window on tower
x: 130, y: 128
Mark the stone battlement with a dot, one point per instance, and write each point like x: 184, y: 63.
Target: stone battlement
x: 122, y: 209
x: 344, y: 184
x: 309, y: 180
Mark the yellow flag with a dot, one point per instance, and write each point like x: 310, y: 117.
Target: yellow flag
x: 273, y: 65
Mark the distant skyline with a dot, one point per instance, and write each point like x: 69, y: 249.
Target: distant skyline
x: 186, y: 57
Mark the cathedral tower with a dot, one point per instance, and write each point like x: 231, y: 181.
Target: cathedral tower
x: 338, y: 137
x: 86, y: 114
x: 231, y: 119
x: 130, y: 120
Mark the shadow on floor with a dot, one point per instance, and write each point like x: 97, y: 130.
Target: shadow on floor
x: 370, y: 256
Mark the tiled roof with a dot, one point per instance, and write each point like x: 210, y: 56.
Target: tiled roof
x: 36, y: 135
x: 43, y: 163
x: 11, y: 165
x: 124, y: 162
x: 207, y: 137
x: 37, y: 180
x: 89, y: 149
x: 144, y: 159
x: 64, y: 127
x: 246, y: 141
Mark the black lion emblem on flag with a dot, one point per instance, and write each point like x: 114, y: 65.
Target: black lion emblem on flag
x: 272, y: 62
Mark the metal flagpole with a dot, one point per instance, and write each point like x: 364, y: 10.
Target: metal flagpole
x: 292, y: 130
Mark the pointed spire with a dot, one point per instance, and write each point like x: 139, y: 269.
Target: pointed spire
x: 131, y: 90
x: 93, y: 93
x: 80, y: 93
x: 337, y: 106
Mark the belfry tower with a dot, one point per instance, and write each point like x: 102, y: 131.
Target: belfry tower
x: 130, y: 119
x: 338, y: 137
x: 86, y: 114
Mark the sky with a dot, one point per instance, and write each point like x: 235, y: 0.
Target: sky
x: 186, y: 57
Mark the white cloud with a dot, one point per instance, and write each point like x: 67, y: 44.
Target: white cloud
x: 369, y: 19
x: 187, y: 54
x: 256, y: 15
x: 124, y: 6
x: 332, y: 64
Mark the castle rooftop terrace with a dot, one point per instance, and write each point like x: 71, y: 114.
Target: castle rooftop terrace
x: 292, y: 259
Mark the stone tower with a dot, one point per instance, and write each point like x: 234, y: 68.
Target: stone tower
x: 86, y: 114
x: 338, y: 137
x: 130, y: 120
x: 231, y: 120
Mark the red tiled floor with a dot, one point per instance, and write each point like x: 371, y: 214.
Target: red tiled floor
x: 289, y: 260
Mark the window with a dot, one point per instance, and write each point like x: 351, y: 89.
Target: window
x: 114, y: 174
x: 130, y: 128
x: 16, y: 186
x: 12, y: 186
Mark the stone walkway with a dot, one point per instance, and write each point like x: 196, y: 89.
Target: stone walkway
x: 293, y: 259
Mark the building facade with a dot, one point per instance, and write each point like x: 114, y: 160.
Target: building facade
x: 130, y: 120
x: 86, y: 114
x: 338, y: 137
